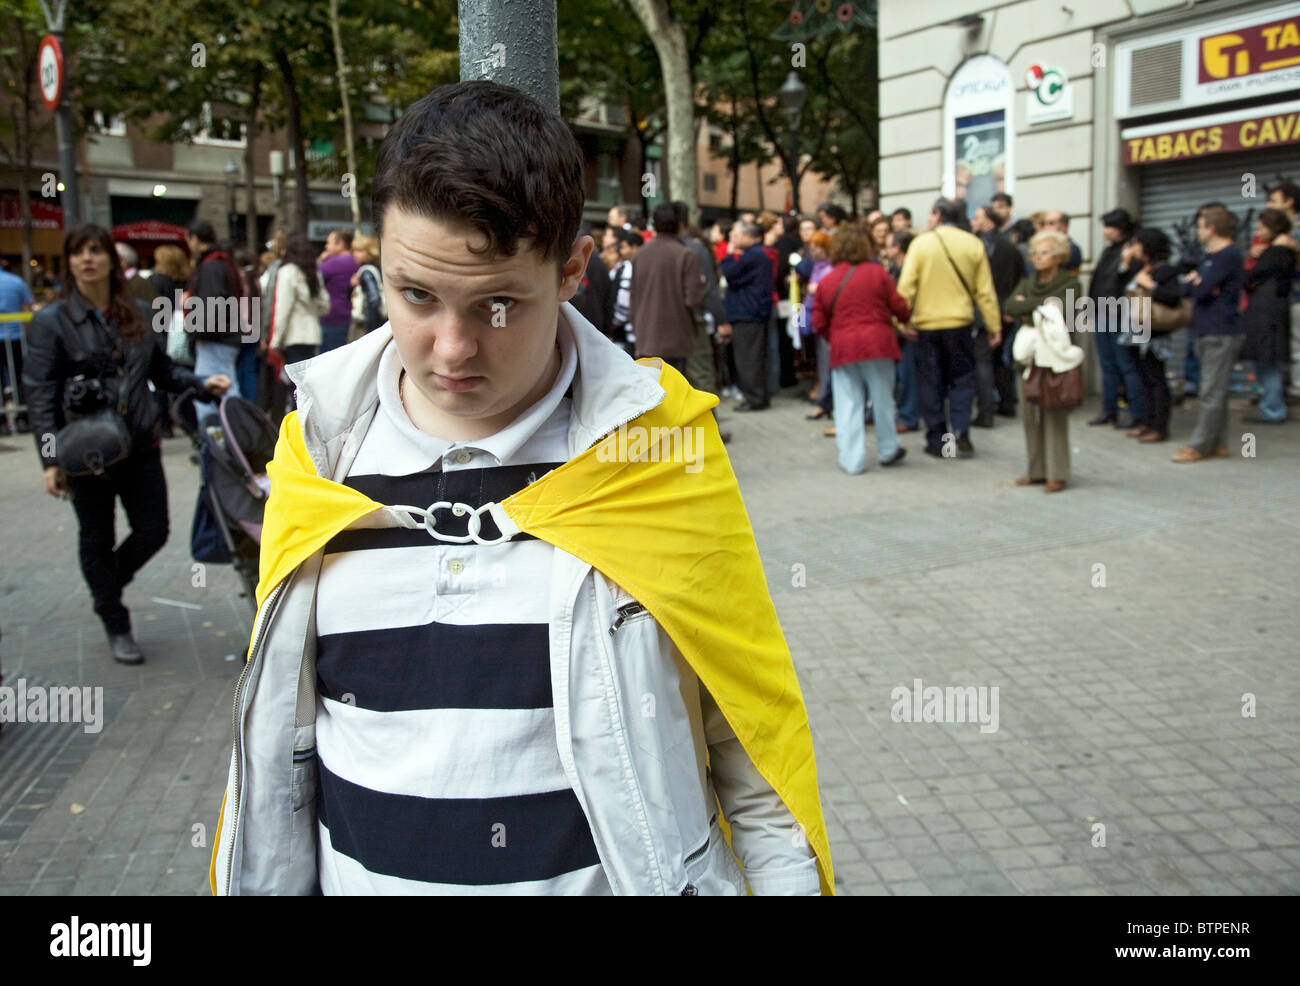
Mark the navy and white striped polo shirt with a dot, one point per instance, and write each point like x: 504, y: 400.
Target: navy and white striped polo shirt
x: 435, y: 732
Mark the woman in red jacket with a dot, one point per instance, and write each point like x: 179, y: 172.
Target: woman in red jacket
x: 852, y: 309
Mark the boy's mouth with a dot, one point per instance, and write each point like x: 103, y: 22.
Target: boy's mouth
x: 457, y: 384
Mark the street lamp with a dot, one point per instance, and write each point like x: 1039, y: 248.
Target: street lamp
x: 793, y: 94
x: 232, y: 172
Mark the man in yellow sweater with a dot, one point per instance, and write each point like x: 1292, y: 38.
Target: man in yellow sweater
x: 947, y: 283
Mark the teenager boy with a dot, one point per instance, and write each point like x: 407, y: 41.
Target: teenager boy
x: 502, y: 646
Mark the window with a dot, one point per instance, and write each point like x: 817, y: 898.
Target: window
x: 113, y: 126
x: 710, y: 182
x: 715, y: 138
x: 218, y: 127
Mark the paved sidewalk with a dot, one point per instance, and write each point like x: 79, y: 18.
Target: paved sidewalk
x: 1120, y: 688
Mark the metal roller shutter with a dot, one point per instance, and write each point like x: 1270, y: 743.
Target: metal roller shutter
x: 1171, y: 193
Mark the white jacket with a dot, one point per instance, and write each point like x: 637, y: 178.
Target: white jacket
x: 296, y: 316
x: 1046, y: 342
x: 649, y: 785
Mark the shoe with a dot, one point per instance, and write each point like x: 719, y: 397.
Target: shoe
x: 746, y: 406
x: 1006, y: 412
x: 1103, y: 419
x: 983, y: 421
x: 1026, y: 481
x: 1188, y: 454
x: 931, y: 450
x: 1255, y: 419
x: 896, y: 458
x: 829, y: 432
x: 1149, y: 436
x: 964, y: 448
x: 1137, y: 431
x: 1054, y: 486
x: 1125, y: 423
x: 1221, y: 452
x: 903, y: 429
x: 821, y: 413
x: 125, y: 649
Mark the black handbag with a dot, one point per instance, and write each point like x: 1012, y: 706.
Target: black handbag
x: 96, y: 439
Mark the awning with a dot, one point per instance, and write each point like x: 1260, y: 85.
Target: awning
x: 150, y: 231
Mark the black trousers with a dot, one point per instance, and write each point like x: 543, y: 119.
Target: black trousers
x: 139, y: 482
x: 749, y: 344
x: 1151, y: 370
x: 945, y: 370
x: 1004, y: 373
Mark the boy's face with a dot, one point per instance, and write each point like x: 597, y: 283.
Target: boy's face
x: 476, y: 336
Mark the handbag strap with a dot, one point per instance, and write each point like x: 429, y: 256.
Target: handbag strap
x: 956, y: 270
x: 830, y: 312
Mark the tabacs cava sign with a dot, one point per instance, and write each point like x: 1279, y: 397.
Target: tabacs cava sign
x: 1221, y: 137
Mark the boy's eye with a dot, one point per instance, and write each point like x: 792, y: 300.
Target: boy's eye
x: 410, y: 293
x: 505, y: 303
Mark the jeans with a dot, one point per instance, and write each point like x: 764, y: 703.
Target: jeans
x: 217, y: 357
x: 246, y: 367
x: 945, y: 369
x: 1191, y: 369
x: 1126, y: 358
x: 333, y: 335
x: 1217, y: 354
x: 1108, y: 359
x: 853, y: 382
x: 138, y: 480
x: 908, y: 401
x: 1272, y: 404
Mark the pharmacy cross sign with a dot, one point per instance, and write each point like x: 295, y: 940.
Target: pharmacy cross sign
x: 49, y: 62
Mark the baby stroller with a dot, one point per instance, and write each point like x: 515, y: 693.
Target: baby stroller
x: 233, y: 445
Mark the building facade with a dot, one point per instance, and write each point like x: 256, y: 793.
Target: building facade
x: 1154, y: 105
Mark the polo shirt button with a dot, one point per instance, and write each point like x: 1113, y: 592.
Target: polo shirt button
x: 455, y: 566
x: 463, y: 457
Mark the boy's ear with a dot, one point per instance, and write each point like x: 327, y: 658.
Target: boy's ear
x: 575, y: 267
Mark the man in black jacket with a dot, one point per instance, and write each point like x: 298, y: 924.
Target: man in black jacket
x: 1119, y: 370
x: 215, y: 284
x: 993, y: 366
x: 595, y: 297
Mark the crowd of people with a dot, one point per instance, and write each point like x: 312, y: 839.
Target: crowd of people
x: 907, y: 329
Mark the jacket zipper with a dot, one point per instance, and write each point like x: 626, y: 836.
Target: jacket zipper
x: 625, y: 613
x: 234, y: 722
x: 690, y: 890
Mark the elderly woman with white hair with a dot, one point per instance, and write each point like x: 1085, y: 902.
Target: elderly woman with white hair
x: 1046, y: 342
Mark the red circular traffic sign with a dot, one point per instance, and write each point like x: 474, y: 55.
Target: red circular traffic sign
x: 49, y: 71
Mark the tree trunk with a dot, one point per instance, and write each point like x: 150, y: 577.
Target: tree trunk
x: 294, y: 107
x: 347, y: 117
x: 669, y: 39
x: 250, y: 161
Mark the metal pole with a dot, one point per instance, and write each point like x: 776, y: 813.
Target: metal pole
x: 512, y: 42
x: 64, y: 131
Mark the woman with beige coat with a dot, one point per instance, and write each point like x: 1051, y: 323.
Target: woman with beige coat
x: 300, y: 301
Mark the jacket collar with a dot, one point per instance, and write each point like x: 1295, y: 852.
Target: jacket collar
x: 336, y: 390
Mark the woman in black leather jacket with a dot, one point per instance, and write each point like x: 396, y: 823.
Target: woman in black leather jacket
x: 97, y: 333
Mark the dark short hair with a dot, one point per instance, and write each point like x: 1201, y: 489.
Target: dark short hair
x: 1155, y: 244
x: 665, y: 217
x: 902, y: 238
x: 1209, y: 205
x: 789, y: 224
x: 485, y: 155
x: 1002, y: 197
x: 202, y: 230
x: 1119, y: 219
x: 851, y: 244
x: 836, y: 212
x: 1022, y: 230
x: 948, y: 209
x: 631, y: 237
x: 1288, y: 189
x: 905, y: 213
x: 345, y: 236
x: 1220, y: 220
x: 1276, y: 221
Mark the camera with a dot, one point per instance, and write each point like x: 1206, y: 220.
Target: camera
x: 83, y: 395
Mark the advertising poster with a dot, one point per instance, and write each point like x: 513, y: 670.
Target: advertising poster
x: 979, y: 158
